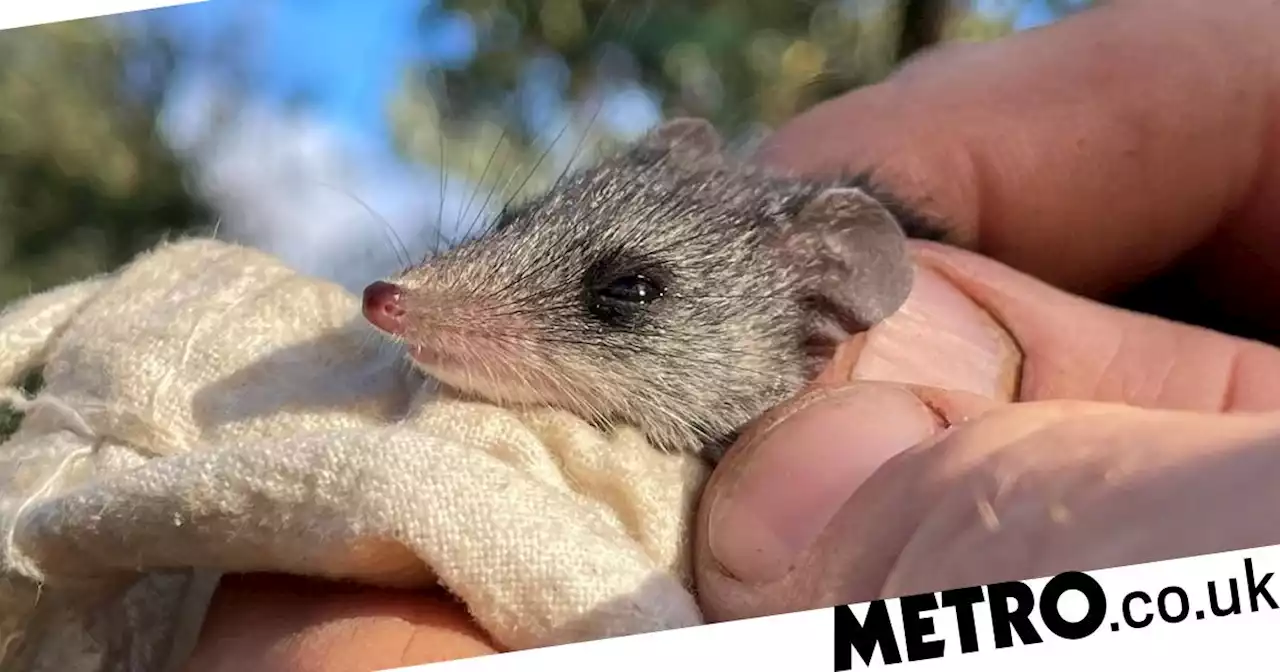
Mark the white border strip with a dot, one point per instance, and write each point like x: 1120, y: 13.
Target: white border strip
x: 23, y: 13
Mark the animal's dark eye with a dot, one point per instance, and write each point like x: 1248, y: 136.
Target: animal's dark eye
x: 631, y: 289
x: 621, y: 300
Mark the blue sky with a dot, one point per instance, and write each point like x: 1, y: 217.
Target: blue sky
x: 347, y: 54
x: 1035, y: 13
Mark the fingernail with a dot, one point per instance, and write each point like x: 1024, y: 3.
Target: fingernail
x: 793, y: 480
x: 941, y: 338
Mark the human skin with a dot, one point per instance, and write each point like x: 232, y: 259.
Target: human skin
x: 1133, y: 141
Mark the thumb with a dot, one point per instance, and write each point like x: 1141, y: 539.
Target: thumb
x: 1026, y: 490
x: 774, y: 494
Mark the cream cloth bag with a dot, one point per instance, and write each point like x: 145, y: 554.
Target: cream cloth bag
x: 208, y: 410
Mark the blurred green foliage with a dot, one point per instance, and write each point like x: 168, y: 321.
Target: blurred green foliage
x: 85, y: 182
x: 745, y: 64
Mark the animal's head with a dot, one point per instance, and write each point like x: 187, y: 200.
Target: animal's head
x: 665, y: 287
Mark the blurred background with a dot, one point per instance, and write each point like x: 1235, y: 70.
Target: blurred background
x: 344, y: 135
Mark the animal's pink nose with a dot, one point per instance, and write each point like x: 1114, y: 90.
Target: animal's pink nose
x: 382, y: 307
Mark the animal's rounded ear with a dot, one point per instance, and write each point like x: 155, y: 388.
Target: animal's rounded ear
x: 853, y: 259
x: 684, y: 140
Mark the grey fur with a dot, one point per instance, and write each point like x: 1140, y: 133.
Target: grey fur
x: 762, y: 274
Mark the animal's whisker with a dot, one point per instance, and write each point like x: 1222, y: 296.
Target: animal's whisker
x: 484, y: 173
x: 397, y: 244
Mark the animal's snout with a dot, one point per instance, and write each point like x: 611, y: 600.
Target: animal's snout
x: 382, y: 307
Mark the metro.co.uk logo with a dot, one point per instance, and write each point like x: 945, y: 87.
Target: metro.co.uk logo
x: 1069, y: 606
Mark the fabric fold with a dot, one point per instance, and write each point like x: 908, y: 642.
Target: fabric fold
x: 208, y: 410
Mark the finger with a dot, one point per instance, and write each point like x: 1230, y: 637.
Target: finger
x: 1099, y: 489
x: 976, y: 325
x: 1016, y: 494
x: 938, y: 338
x: 772, y: 495
x: 1077, y: 152
x: 265, y: 623
x: 1074, y: 348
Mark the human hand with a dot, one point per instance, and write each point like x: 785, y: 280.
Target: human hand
x: 1092, y: 154
x: 1078, y: 155
x: 267, y: 623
